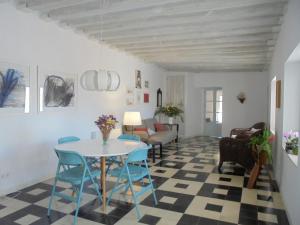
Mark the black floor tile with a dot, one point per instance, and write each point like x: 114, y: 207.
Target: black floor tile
x: 191, y: 175
x: 181, y: 201
x: 149, y: 219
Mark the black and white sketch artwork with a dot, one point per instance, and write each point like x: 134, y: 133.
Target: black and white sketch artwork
x: 57, y: 90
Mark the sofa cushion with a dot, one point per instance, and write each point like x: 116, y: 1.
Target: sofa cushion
x: 160, y: 127
x: 163, y: 136
x: 141, y: 129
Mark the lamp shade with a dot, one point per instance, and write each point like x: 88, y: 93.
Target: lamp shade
x: 132, y: 119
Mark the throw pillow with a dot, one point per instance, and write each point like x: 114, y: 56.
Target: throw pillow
x: 160, y: 127
x: 253, y: 130
x: 151, y: 132
x: 141, y: 129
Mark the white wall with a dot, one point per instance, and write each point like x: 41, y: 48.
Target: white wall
x: 26, y: 141
x: 291, y: 116
x: 287, y: 174
x: 235, y: 114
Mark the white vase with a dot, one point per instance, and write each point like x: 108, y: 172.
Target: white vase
x: 171, y: 120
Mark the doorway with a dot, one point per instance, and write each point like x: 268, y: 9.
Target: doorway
x: 213, y: 111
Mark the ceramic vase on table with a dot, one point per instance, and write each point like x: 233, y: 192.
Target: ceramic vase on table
x: 171, y: 120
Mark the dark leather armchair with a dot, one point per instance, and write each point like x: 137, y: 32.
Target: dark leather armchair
x: 245, y: 131
x: 239, y: 149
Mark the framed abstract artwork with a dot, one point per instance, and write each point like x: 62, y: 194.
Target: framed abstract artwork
x: 14, y: 88
x: 57, y: 90
x: 138, y: 79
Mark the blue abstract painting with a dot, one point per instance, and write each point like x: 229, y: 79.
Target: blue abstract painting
x: 13, y: 81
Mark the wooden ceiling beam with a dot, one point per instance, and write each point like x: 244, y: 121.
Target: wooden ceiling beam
x: 224, y: 47
x: 201, y: 32
x: 192, y: 39
x: 134, y: 5
x: 43, y: 6
x: 141, y: 18
x: 188, y: 27
x: 201, y: 52
x: 177, y: 18
x: 193, y: 45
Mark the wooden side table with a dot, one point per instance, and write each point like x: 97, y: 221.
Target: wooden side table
x: 171, y: 127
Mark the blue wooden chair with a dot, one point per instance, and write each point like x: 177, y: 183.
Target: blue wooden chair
x: 72, y: 168
x: 131, y: 172
x: 129, y: 137
x: 68, y: 139
x: 113, y: 159
x: 90, y: 160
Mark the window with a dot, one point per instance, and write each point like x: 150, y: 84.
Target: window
x: 213, y: 105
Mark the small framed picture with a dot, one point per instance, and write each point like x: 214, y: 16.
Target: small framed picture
x: 146, y: 84
x: 146, y: 98
x: 129, y: 95
x: 278, y: 94
x: 138, y: 79
x: 138, y: 97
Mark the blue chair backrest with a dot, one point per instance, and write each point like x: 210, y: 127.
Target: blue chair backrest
x: 70, y: 158
x: 68, y: 139
x: 129, y: 137
x: 138, y: 155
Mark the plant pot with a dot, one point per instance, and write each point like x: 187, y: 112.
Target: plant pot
x: 263, y: 158
x: 171, y: 120
x: 289, y: 146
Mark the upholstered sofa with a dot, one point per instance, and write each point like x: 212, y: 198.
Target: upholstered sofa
x: 237, y: 147
x: 152, y: 135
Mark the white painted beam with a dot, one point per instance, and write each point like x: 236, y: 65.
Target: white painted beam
x: 191, y: 39
x: 136, y: 20
x: 43, y: 6
x: 132, y: 6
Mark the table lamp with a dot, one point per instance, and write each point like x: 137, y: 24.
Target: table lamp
x: 132, y: 119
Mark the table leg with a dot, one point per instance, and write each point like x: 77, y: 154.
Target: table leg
x: 160, y: 151
x: 103, y: 183
x: 153, y: 153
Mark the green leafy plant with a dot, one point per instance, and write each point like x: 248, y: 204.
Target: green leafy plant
x: 170, y: 111
x: 263, y: 143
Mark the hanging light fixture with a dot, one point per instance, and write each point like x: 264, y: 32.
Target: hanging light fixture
x: 101, y: 80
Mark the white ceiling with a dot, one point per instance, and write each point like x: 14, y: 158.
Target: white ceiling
x: 178, y: 35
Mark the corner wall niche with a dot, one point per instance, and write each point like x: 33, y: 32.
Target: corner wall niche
x: 291, y: 106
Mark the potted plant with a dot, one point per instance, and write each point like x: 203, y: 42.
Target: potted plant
x: 262, y: 145
x: 291, y: 145
x: 262, y: 150
x: 170, y: 111
x: 106, y: 123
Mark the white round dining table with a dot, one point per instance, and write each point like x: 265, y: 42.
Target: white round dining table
x: 95, y: 148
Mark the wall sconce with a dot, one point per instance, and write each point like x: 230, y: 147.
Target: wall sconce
x: 102, y: 80
x: 241, y: 97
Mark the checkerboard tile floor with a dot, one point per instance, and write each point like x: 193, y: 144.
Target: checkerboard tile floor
x: 189, y: 191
